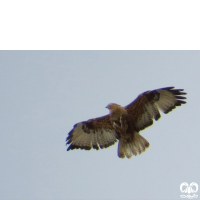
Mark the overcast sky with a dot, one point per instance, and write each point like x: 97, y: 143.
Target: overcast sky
x: 44, y: 93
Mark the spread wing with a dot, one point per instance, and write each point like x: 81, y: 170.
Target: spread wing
x: 94, y: 133
x: 146, y: 106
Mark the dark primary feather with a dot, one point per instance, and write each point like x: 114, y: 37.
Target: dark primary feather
x: 146, y: 106
x: 94, y: 133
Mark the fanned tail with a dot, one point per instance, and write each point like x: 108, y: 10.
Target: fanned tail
x: 137, y: 145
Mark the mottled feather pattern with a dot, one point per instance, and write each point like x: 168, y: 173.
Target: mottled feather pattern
x: 86, y: 139
x: 145, y: 108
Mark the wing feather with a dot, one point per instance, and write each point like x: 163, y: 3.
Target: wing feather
x: 146, y: 106
x: 94, y: 133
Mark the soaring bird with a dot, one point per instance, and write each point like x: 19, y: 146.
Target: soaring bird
x: 124, y: 124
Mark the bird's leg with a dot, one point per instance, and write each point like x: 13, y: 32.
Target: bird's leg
x: 117, y: 127
x: 123, y: 123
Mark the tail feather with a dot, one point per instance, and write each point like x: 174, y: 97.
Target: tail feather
x: 134, y: 147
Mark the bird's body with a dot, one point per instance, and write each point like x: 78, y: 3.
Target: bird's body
x: 124, y: 123
x: 130, y: 142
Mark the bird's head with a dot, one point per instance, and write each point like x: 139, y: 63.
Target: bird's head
x: 115, y: 108
x: 112, y: 106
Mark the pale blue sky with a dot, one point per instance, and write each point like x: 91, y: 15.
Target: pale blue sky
x: 44, y: 93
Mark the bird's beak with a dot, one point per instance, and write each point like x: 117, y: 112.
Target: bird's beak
x: 107, y: 106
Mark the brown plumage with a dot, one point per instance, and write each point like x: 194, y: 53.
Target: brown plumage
x: 124, y: 123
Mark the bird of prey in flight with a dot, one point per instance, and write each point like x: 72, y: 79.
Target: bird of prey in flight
x: 124, y: 124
